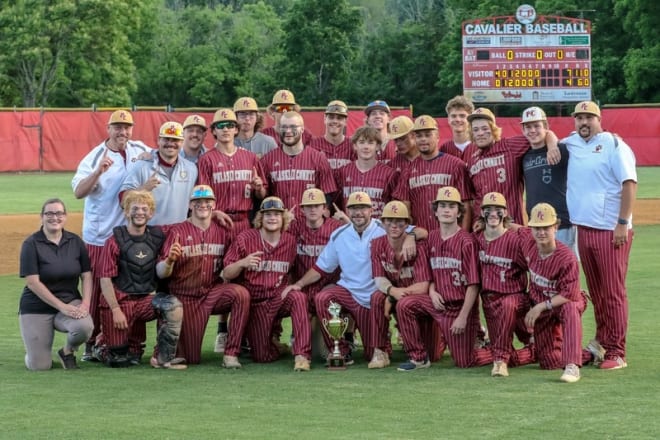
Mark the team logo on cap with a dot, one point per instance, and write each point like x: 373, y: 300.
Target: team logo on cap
x: 447, y: 193
x: 540, y: 216
x: 224, y: 114
x: 358, y: 197
x: 530, y: 113
x: 172, y: 130
x: 493, y: 197
x: 394, y: 209
x: 422, y: 122
x: 196, y: 119
x: 311, y: 196
x: 284, y: 95
x: 395, y: 128
x: 584, y: 106
x: 246, y: 102
x: 122, y: 116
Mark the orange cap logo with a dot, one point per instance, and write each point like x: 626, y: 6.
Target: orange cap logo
x: 172, y: 130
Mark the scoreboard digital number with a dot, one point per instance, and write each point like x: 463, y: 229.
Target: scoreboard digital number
x: 527, y: 58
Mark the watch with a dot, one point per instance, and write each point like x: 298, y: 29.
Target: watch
x: 622, y: 221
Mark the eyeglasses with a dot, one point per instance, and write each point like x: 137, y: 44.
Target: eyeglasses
x: 51, y: 214
x: 223, y: 125
x: 285, y: 128
x: 271, y: 204
x: 392, y: 222
x: 283, y: 108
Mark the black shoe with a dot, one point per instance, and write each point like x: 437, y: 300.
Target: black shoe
x: 68, y: 361
x: 88, y: 355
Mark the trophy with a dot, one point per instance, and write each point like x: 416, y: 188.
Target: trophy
x: 335, y: 328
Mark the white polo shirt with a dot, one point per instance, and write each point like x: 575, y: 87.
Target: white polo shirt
x: 596, y: 172
x: 101, y: 208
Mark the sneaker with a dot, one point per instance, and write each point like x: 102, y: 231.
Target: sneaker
x: 380, y: 359
x: 348, y: 359
x: 174, y: 364
x: 571, y: 374
x: 220, y: 342
x: 614, y: 364
x: 597, y: 351
x: 414, y: 365
x: 231, y: 362
x: 301, y: 363
x: 500, y: 369
x: 68, y: 361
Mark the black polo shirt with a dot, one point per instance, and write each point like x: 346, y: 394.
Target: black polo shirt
x: 58, y: 265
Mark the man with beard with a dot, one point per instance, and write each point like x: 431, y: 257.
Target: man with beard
x: 250, y: 122
x: 334, y: 143
x: 194, y: 133
x: 378, y: 116
x: 429, y: 172
x: 283, y: 102
x: 128, y: 284
x: 458, y: 109
x: 602, y: 184
x: 401, y: 132
x: 294, y: 167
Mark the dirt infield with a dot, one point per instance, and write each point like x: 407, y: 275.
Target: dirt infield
x: 14, y: 229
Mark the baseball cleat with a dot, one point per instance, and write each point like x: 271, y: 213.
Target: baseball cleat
x: 614, y: 364
x: 174, y: 364
x: 380, y: 359
x: 231, y: 362
x: 500, y: 369
x: 301, y: 363
x: 571, y: 374
x: 414, y: 365
x: 220, y: 342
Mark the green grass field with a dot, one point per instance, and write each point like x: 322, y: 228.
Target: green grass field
x: 271, y: 401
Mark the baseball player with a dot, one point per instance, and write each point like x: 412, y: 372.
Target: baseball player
x: 430, y: 171
x: 366, y: 174
x: 545, y: 183
x: 496, y: 164
x: 250, y: 121
x: 452, y: 299
x: 260, y: 260
x: 401, y: 132
x: 234, y: 174
x: 503, y: 285
x: 356, y: 292
x: 191, y: 261
x: 334, y: 143
x: 458, y: 109
x: 98, y: 179
x: 602, y: 184
x: 194, y: 133
x: 554, y: 288
x: 292, y: 169
x: 378, y: 116
x: 283, y: 102
x: 128, y: 284
x: 167, y: 176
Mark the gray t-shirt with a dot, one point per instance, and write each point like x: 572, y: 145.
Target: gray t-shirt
x: 259, y: 144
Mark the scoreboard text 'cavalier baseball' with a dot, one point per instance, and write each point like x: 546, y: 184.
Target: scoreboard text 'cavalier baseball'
x: 527, y: 58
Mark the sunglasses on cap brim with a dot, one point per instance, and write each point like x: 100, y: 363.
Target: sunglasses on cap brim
x: 283, y: 108
x: 274, y: 205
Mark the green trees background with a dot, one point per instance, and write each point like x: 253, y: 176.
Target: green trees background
x: 195, y: 53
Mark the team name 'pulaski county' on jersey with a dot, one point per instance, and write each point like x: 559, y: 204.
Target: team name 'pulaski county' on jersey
x: 498, y: 261
x: 445, y: 263
x: 549, y: 287
x: 430, y: 179
x: 198, y: 249
x: 405, y: 273
x: 309, y: 250
x: 272, y: 266
x: 486, y: 162
x: 232, y: 176
x: 284, y: 175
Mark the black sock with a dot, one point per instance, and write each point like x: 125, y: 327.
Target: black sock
x: 222, y: 327
x: 348, y: 337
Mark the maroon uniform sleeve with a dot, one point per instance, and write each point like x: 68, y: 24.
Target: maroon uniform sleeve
x: 517, y: 145
x: 421, y: 268
x: 325, y: 179
x: 204, y: 172
x: 376, y: 251
x: 108, y: 261
x: 568, y: 282
x: 402, y: 188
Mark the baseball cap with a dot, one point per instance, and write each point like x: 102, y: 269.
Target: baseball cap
x: 195, y: 120
x: 337, y: 108
x: 533, y: 114
x: 283, y: 97
x: 448, y: 194
x: 377, y: 104
x: 223, y: 115
x: 358, y: 198
x: 313, y: 196
x: 494, y: 199
x: 395, y: 209
x: 482, y: 113
x: 121, y: 117
x: 202, y: 192
x: 425, y: 122
x: 172, y: 130
x: 400, y: 126
x: 588, y: 107
x: 271, y: 203
x: 246, y: 104
x: 542, y: 215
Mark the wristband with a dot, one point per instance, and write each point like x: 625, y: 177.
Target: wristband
x: 622, y: 221
x: 387, y: 291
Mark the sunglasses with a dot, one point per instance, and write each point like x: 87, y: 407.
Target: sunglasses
x: 272, y: 204
x: 223, y: 125
x: 337, y: 109
x: 283, y: 108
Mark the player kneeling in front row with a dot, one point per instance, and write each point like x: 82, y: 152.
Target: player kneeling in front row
x: 191, y: 260
x: 128, y: 283
x: 452, y: 301
x: 556, y: 318
x: 260, y: 260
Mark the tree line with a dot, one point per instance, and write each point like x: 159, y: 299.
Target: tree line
x: 197, y: 53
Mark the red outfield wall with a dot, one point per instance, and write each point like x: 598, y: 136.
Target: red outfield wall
x: 57, y: 140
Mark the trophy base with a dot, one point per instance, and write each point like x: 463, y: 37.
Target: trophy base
x: 336, y: 363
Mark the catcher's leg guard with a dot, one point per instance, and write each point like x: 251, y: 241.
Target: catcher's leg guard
x: 116, y: 356
x: 170, y: 313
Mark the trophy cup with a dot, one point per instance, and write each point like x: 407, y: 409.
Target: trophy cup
x: 335, y: 328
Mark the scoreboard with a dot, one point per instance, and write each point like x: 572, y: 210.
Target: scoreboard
x: 527, y: 58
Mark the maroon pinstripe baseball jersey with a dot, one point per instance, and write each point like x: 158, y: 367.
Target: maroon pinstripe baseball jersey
x: 400, y: 273
x: 310, y: 244
x: 385, y: 155
x: 498, y: 168
x: 337, y: 155
x: 108, y: 267
x: 378, y: 182
x: 420, y: 182
x: 503, y: 265
x: 199, y: 266
x: 270, y: 278
x: 307, y: 135
x: 450, y: 147
x: 230, y: 177
x: 454, y: 264
x: 399, y: 164
x: 289, y: 176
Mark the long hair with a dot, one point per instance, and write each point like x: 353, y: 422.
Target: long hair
x: 287, y: 217
x: 135, y: 196
x: 497, y: 131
